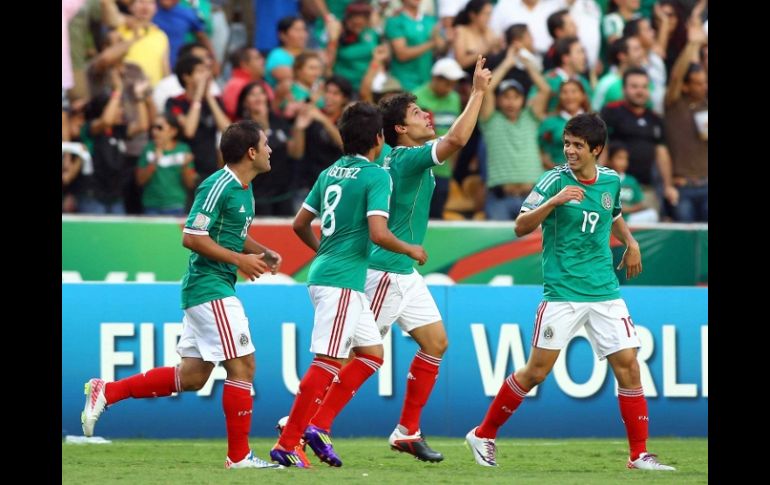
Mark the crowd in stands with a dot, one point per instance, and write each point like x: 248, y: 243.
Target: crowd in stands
x: 148, y: 86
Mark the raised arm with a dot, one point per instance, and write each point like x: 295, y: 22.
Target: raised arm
x: 696, y: 37
x: 539, y: 102
x: 460, y: 131
x: 379, y: 56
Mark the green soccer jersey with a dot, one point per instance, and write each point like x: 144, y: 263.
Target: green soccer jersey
x: 630, y: 191
x: 413, y: 184
x: 223, y: 210
x: 165, y: 189
x: 577, y: 261
x: 344, y: 196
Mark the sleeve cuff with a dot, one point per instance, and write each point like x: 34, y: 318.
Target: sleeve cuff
x: 616, y: 217
x: 524, y: 209
x: 309, y: 208
x: 378, y: 213
x: 195, y: 232
x: 434, y: 153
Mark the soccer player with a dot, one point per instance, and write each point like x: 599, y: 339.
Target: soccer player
x: 352, y: 199
x: 397, y: 292
x: 578, y: 205
x: 215, y: 326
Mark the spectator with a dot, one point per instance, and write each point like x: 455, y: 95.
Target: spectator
x: 68, y: 10
x: 641, y: 130
x: 631, y: 195
x: 147, y: 45
x: 306, y: 87
x: 165, y: 170
x: 571, y: 61
x: 560, y: 25
x: 510, y: 133
x: 268, y: 14
x: 472, y: 35
x: 517, y: 35
x: 352, y: 53
x: 588, y: 15
x: 177, y: 21
x: 572, y: 101
x: 248, y: 67
x: 440, y: 100
x: 533, y: 13
x: 652, y: 62
x: 414, y: 38
x: 292, y: 34
x: 378, y: 81
x: 273, y: 195
x: 687, y: 130
x: 199, y: 118
x: 620, y: 12
x: 169, y: 86
x: 670, y: 23
x: 625, y: 53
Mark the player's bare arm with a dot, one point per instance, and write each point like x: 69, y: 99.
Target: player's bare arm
x: 381, y: 236
x: 302, y: 228
x: 250, y: 265
x: 528, y: 221
x: 460, y: 131
x: 632, y: 257
x: 271, y: 258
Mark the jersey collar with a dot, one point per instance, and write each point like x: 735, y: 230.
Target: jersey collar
x: 227, y: 169
x: 585, y: 182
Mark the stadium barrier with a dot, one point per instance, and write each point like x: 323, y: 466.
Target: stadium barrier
x: 115, y: 330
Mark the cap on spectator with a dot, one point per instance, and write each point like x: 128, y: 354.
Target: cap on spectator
x: 448, y: 68
x: 510, y: 84
x: 358, y: 8
x: 385, y: 83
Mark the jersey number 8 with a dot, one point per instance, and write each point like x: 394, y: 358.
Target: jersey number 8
x: 332, y: 198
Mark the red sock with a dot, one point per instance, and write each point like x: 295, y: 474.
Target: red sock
x: 157, y: 382
x: 633, y: 410
x: 237, y: 403
x: 311, y: 391
x: 419, y: 383
x: 348, y: 381
x: 508, y: 398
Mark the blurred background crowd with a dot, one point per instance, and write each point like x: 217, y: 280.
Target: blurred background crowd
x: 148, y: 86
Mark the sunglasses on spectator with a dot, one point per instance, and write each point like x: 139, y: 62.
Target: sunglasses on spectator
x: 158, y: 127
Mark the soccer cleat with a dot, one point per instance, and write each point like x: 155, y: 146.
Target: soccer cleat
x: 414, y: 444
x: 484, y: 449
x: 96, y: 403
x: 321, y: 444
x: 251, y: 461
x: 647, y: 461
x: 296, y: 457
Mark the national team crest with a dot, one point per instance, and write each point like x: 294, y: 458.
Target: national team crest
x: 607, y: 200
x: 548, y: 333
x: 244, y: 340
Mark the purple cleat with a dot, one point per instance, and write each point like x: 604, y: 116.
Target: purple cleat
x: 321, y: 444
x: 295, y: 457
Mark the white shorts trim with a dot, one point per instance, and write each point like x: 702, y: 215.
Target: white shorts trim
x: 342, y: 321
x: 401, y: 298
x: 608, y: 325
x: 215, y: 331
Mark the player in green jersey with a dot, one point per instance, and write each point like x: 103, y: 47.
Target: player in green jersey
x: 578, y: 205
x: 397, y: 292
x: 352, y: 199
x: 215, y: 326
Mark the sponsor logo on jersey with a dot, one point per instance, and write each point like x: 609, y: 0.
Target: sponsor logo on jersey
x: 607, y: 200
x: 201, y: 222
x: 242, y: 209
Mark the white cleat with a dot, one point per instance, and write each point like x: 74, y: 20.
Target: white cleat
x: 251, y: 461
x: 484, y: 449
x: 647, y: 461
x: 95, y: 405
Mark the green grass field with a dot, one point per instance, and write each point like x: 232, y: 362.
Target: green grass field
x: 369, y: 460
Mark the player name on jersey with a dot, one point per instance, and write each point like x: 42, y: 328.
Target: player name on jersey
x: 344, y: 172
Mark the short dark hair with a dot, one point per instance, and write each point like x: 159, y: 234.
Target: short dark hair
x: 631, y: 29
x: 618, y: 46
x: 241, y: 55
x: 463, y: 17
x: 185, y: 66
x: 562, y: 48
x: 556, y: 21
x: 188, y: 48
x: 393, y: 108
x: 359, y: 126
x: 515, y: 32
x: 342, y: 84
x: 173, y: 122
x: 285, y: 24
x: 237, y: 139
x: 615, y: 147
x: 692, y: 69
x: 589, y: 127
x: 634, y: 71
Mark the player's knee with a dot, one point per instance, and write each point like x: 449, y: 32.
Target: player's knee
x: 438, y: 347
x: 536, y: 375
x: 193, y: 382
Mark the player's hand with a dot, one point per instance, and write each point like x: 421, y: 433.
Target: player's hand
x: 252, y: 265
x: 481, y: 75
x: 632, y: 260
x: 418, y: 253
x: 273, y: 260
x: 568, y: 193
